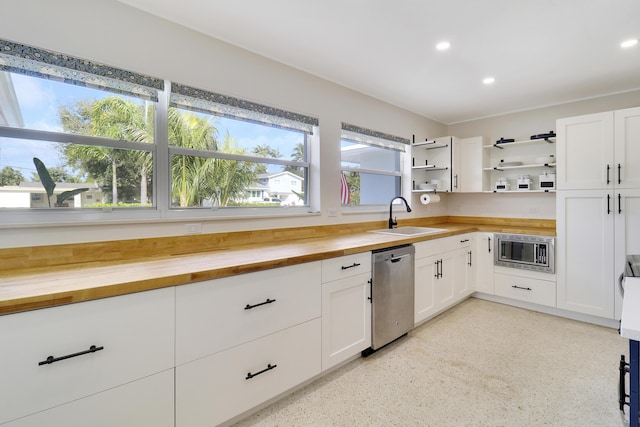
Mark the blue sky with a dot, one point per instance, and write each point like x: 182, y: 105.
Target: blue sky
x: 40, y: 99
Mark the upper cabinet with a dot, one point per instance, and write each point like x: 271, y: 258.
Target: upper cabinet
x: 447, y: 164
x: 431, y: 165
x: 467, y: 164
x: 520, y: 166
x: 597, y: 151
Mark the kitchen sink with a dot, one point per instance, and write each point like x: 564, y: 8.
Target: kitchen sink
x: 408, y: 231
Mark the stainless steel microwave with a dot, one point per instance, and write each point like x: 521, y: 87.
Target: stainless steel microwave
x: 525, y: 251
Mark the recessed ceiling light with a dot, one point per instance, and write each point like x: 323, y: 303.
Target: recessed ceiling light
x: 489, y: 80
x: 629, y: 43
x: 443, y: 45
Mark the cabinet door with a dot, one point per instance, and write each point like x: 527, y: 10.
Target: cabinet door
x: 584, y: 250
x: 585, y: 152
x: 463, y: 273
x: 483, y: 259
x: 346, y: 318
x: 426, y: 279
x: 627, y: 235
x: 145, y: 402
x: 467, y: 165
x: 627, y: 148
x: 444, y: 292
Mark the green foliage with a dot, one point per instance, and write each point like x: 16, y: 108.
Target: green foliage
x: 49, y: 185
x: 10, y: 176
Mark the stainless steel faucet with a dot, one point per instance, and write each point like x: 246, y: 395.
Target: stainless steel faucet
x: 392, y: 222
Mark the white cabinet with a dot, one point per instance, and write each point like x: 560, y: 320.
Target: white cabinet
x: 237, y: 309
x: 599, y: 151
x: 144, y: 402
x: 443, y: 274
x: 584, y: 252
x: 432, y: 161
x: 483, y: 257
x: 244, y: 339
x: 510, y: 160
x: 346, y: 307
x: 216, y: 388
x: 454, y: 163
x: 597, y: 208
x: 467, y: 165
x: 530, y: 286
x: 463, y: 271
x: 132, y: 337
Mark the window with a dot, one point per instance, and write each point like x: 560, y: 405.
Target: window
x: 371, y: 172
x: 75, y: 133
x: 232, y: 147
x: 91, y: 138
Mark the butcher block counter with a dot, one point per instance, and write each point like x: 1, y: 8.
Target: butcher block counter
x: 39, y: 277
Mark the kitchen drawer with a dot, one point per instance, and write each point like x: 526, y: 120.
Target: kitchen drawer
x: 142, y: 403
x: 216, y: 388
x: 526, y: 289
x: 218, y: 314
x: 442, y: 245
x: 345, y: 266
x: 136, y: 333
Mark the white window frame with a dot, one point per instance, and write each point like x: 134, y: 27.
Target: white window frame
x: 356, y: 134
x: 162, y: 210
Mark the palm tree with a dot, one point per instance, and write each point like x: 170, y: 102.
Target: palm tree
x: 230, y: 178
x: 111, y: 117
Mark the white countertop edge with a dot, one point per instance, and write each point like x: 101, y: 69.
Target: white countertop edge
x: 630, y: 322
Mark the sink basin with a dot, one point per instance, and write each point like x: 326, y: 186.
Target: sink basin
x: 408, y: 231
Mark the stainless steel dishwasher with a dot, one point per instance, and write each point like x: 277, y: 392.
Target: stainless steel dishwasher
x: 392, y: 295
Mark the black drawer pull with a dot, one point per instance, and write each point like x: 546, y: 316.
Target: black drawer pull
x: 268, y: 301
x: 520, y: 287
x: 355, y: 264
x: 52, y: 359
x: 268, y: 368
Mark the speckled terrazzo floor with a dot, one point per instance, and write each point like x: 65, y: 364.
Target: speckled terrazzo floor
x: 478, y: 364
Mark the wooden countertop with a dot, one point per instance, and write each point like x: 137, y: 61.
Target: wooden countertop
x: 29, y: 288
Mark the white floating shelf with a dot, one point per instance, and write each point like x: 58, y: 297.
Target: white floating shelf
x: 535, y: 165
x: 549, y: 140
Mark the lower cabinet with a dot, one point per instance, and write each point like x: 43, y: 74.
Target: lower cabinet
x: 444, y: 274
x: 54, y: 356
x: 483, y: 259
x: 346, y: 307
x: 145, y: 402
x: 533, y: 287
x: 216, y: 388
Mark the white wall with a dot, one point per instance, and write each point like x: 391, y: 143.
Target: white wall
x: 110, y: 32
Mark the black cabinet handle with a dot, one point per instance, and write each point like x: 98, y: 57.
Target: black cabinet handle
x: 608, y: 204
x: 469, y: 263
x: 464, y: 241
x: 608, y: 169
x: 489, y: 240
x: 619, y: 203
x: 520, y: 287
x: 52, y: 359
x: 622, y: 389
x: 619, y: 178
x: 370, y: 297
x: 268, y: 301
x: 268, y: 368
x: 355, y: 264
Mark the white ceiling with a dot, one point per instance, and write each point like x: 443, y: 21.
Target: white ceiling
x: 541, y: 52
